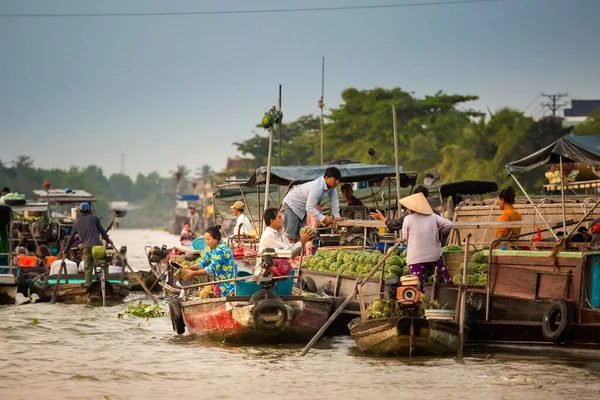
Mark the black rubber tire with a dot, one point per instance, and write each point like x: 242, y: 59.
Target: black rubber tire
x: 270, y: 305
x: 308, y: 284
x: 558, y: 321
x: 261, y: 294
x: 176, y: 316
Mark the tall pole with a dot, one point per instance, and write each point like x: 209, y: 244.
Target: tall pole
x: 279, y: 129
x: 562, y: 195
x: 268, y: 183
x: 396, y: 157
x: 552, y: 105
x: 321, y: 104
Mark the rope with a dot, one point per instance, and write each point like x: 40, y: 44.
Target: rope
x: 561, y: 245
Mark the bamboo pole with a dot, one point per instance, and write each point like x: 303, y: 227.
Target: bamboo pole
x: 321, y: 104
x: 533, y: 205
x: 562, y: 195
x: 396, y: 161
x: 463, y: 300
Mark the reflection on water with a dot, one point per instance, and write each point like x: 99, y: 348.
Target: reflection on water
x: 82, y: 352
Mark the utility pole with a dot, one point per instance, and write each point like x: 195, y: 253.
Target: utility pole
x: 553, y: 105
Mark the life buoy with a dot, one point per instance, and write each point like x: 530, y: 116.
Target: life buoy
x: 558, y: 321
x: 270, y: 314
x: 176, y: 316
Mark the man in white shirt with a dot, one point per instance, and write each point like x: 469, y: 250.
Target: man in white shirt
x: 304, y: 198
x: 274, y: 238
x: 194, y: 220
x: 242, y: 220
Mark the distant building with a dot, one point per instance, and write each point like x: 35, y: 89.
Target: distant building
x: 235, y: 163
x: 579, y: 111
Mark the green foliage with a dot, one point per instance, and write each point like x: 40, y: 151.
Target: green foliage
x: 591, y: 126
x: 142, y: 310
x: 36, y: 321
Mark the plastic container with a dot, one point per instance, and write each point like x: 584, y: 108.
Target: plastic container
x: 245, y: 288
x: 27, y: 261
x: 199, y: 244
x: 50, y: 260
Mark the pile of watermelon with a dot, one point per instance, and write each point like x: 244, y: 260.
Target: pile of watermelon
x: 357, y: 263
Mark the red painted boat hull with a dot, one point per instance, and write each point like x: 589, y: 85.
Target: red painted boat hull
x: 230, y: 319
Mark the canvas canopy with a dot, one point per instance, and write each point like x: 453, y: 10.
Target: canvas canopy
x: 355, y: 172
x: 583, y: 149
x: 474, y: 188
x: 60, y: 196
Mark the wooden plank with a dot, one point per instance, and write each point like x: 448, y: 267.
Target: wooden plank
x: 361, y: 223
x: 589, y: 316
x: 537, y: 261
x: 510, y: 224
x: 512, y: 282
x: 551, y: 286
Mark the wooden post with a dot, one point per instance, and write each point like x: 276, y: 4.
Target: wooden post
x: 363, y: 311
x: 397, y: 162
x: 562, y: 195
x: 463, y: 300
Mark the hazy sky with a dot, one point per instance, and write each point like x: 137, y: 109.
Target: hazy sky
x: 168, y: 90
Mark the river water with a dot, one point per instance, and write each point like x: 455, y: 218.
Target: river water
x: 82, y: 352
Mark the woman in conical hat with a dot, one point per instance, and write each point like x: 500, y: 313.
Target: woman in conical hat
x: 423, y: 230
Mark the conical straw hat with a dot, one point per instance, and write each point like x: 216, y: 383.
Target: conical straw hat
x: 417, y: 203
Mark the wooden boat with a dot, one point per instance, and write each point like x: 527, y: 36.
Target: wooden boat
x: 240, y: 319
x: 9, y: 274
x: 73, y: 290
x: 406, y: 336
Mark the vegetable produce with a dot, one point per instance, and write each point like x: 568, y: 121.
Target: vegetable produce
x: 476, y: 270
x: 356, y: 263
x: 312, y: 231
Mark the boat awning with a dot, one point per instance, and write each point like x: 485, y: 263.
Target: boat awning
x: 31, y: 207
x: 583, y: 149
x: 57, y: 196
x: 356, y: 172
x: 473, y: 188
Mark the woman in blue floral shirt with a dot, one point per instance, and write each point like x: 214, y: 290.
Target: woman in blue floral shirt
x: 218, y: 260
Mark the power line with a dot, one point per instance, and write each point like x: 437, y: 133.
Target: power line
x: 531, y: 103
x: 264, y: 11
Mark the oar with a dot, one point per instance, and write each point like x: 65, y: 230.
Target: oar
x: 359, y: 282
x: 126, y: 265
x: 63, y: 264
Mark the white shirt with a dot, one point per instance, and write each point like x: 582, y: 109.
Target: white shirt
x: 422, y: 233
x: 272, y: 239
x: 304, y: 199
x: 246, y: 225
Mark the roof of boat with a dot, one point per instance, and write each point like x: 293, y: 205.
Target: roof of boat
x: 34, y: 206
x: 63, y: 196
x: 351, y: 172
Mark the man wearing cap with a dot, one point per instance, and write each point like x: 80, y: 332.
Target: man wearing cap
x: 304, y: 198
x: 194, y: 220
x: 423, y: 230
x: 243, y: 226
x: 89, y: 229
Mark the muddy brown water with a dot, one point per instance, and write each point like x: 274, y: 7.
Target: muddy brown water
x: 82, y: 352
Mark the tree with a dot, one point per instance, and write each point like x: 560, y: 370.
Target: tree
x: 591, y: 126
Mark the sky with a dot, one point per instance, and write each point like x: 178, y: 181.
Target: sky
x: 169, y: 90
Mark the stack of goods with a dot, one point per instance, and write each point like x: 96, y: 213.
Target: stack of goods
x: 476, y: 270
x: 356, y: 263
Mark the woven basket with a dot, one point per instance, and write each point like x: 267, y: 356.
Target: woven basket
x: 453, y: 261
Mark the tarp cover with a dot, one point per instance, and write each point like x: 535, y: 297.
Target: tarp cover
x: 583, y: 149
x: 356, y: 172
x: 467, y: 188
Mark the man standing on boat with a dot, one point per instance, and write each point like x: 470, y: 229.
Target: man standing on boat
x: 303, y: 199
x: 194, y: 220
x: 242, y: 223
x: 348, y: 194
x: 89, y: 229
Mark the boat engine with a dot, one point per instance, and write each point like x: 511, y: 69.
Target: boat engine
x: 276, y: 262
x: 406, y: 293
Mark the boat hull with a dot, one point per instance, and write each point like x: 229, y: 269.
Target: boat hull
x: 392, y: 336
x: 231, y: 319
x: 78, y: 293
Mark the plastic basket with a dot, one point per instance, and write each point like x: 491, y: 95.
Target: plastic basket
x: 245, y: 288
x: 199, y: 244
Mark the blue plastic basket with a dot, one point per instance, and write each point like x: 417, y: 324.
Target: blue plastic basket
x: 281, y: 288
x: 199, y: 244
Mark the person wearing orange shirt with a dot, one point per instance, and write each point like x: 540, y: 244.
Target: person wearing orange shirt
x: 506, y: 201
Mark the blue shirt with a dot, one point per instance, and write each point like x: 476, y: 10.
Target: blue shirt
x: 304, y: 199
x: 220, y: 261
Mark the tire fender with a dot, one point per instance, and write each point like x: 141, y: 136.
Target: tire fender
x: 558, y: 321
x: 270, y: 305
x: 176, y: 316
